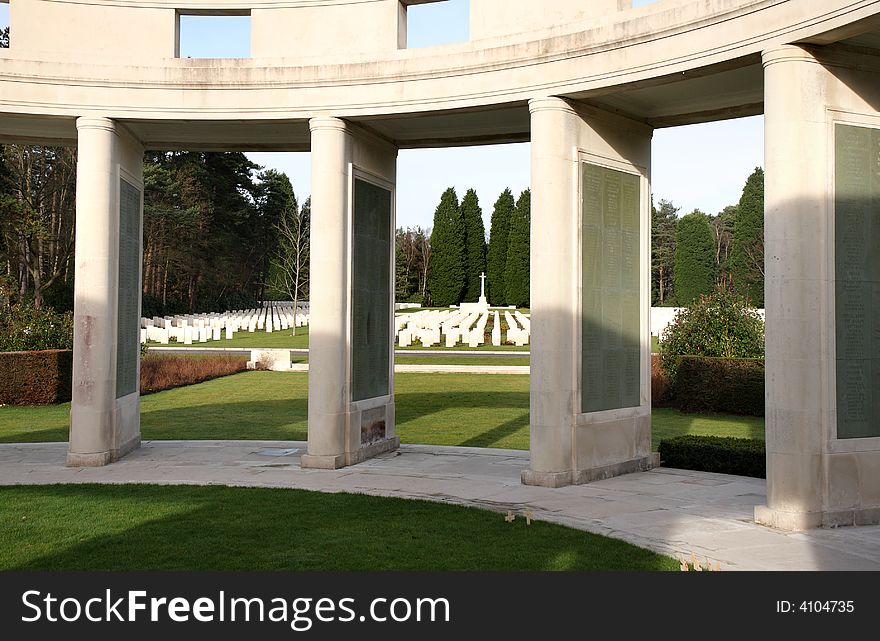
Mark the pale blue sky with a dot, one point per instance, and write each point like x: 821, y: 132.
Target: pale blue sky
x: 698, y: 166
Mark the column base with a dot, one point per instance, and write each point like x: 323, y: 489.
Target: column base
x: 795, y: 521
x: 100, y: 459
x: 580, y: 477
x: 336, y: 461
x: 546, y: 479
x: 372, y: 450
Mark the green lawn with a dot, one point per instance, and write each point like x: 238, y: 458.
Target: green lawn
x: 479, y: 410
x: 144, y: 527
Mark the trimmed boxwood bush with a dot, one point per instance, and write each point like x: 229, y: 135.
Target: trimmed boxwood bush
x: 729, y: 385
x: 36, y: 378
x: 725, y: 455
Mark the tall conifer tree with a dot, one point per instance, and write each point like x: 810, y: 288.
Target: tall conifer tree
x: 516, y: 274
x: 475, y: 244
x: 694, y: 258
x: 446, y: 279
x: 747, y: 246
x: 496, y: 260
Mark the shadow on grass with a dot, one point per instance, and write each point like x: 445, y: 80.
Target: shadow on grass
x: 492, y: 436
x: 220, y: 528
x: 282, y: 419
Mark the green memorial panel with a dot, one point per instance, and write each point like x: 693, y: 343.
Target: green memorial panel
x: 127, y: 310
x: 857, y: 279
x: 610, y: 327
x: 371, y: 291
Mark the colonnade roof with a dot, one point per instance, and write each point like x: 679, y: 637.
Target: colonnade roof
x: 669, y: 63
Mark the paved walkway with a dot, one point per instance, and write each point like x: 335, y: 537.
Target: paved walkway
x: 677, y: 512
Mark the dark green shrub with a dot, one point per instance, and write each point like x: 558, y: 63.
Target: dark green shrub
x: 36, y: 378
x: 24, y: 328
x: 730, y: 385
x: 720, y: 325
x: 724, y: 455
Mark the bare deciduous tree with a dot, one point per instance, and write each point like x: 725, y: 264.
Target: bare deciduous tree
x: 290, y: 267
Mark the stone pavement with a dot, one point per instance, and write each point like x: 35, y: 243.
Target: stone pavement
x: 677, y: 512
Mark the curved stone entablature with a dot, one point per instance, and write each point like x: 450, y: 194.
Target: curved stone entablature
x: 714, y: 45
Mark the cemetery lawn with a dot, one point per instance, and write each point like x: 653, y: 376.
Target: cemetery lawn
x: 149, y: 527
x: 475, y: 410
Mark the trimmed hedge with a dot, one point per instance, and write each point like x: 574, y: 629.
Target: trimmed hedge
x: 725, y: 455
x: 36, y: 378
x: 728, y: 385
x: 661, y: 392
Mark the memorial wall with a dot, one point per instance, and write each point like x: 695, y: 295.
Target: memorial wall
x: 857, y: 279
x: 371, y: 291
x: 610, y: 331
x: 129, y: 285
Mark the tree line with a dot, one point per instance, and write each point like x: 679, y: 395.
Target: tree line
x: 443, y: 267
x: 220, y: 232
x: 697, y: 253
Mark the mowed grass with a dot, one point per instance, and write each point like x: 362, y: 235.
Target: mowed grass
x: 143, y: 527
x: 477, y: 410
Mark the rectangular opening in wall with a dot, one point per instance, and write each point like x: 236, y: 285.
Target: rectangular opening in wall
x: 213, y: 34
x: 4, y: 24
x: 432, y: 22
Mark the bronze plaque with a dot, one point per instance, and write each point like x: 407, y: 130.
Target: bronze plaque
x: 610, y: 327
x: 857, y: 279
x: 129, y: 284
x: 371, y: 291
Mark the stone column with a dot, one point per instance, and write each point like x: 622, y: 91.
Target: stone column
x: 822, y: 418
x: 584, y: 428
x: 553, y: 303
x: 104, y: 415
x: 329, y: 287
x: 345, y: 429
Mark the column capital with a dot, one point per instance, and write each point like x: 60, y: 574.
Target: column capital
x: 327, y: 122
x: 95, y: 122
x: 550, y: 103
x: 786, y: 53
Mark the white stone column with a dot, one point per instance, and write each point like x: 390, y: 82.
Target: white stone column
x: 337, y: 420
x: 814, y: 477
x: 553, y: 292
x: 102, y: 426
x: 329, y: 287
x: 573, y: 441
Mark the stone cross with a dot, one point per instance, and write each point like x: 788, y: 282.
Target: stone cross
x: 483, y: 285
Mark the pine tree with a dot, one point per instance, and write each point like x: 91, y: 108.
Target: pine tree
x: 663, y: 224
x: 475, y: 244
x: 446, y: 279
x: 516, y: 273
x: 496, y: 260
x: 747, y: 247
x: 694, y: 258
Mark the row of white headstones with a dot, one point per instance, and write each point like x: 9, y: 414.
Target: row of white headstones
x: 426, y: 327
x: 187, y: 329
x: 460, y: 326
